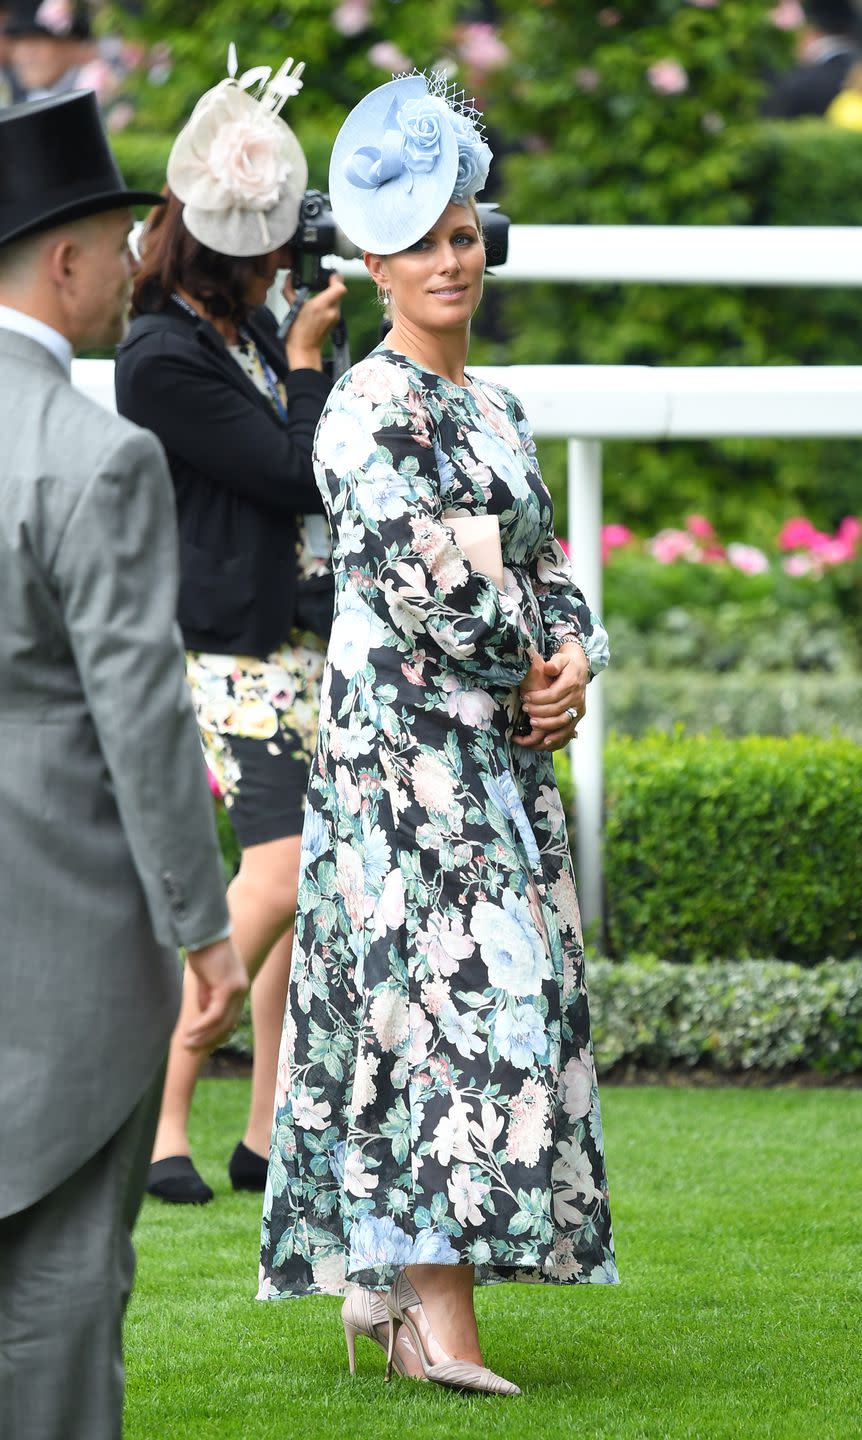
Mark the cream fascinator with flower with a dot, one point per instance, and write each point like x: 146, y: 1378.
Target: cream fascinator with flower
x: 237, y: 168
x: 403, y: 153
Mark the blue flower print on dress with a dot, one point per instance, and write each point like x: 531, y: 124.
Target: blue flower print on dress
x: 520, y: 1035
x: 511, y: 947
x: 503, y: 792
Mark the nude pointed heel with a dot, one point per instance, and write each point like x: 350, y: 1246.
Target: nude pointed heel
x: 390, y: 1349
x: 456, y: 1374
x: 350, y: 1333
x: 365, y: 1312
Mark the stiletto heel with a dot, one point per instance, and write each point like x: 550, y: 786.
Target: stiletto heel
x: 350, y: 1340
x: 456, y: 1374
x: 364, y: 1312
x: 390, y: 1352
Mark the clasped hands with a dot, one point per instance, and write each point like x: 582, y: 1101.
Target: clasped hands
x: 553, y: 695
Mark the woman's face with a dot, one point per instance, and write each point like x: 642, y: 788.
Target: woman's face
x: 266, y: 268
x: 437, y: 283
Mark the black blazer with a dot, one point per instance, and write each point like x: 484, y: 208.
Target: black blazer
x: 241, y: 475
x: 810, y: 89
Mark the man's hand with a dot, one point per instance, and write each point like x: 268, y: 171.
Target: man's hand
x: 222, y: 986
x: 549, y: 696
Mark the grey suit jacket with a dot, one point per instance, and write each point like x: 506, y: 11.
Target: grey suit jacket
x: 108, y: 852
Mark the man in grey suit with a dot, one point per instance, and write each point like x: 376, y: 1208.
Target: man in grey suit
x: 108, y: 852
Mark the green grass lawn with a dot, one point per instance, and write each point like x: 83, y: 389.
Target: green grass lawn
x: 737, y: 1218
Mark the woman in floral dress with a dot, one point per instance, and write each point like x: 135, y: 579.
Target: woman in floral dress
x: 437, y: 1118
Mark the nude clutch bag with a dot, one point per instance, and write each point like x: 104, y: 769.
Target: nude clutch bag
x: 479, y: 537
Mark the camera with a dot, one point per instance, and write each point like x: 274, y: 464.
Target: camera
x: 317, y: 235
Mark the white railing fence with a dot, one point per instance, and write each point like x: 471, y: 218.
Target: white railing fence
x: 585, y: 404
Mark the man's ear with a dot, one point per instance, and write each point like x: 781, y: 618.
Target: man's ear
x: 60, y: 259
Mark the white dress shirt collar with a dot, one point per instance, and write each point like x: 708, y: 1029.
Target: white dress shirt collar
x: 37, y: 330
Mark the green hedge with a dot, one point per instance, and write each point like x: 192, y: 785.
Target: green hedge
x: 731, y: 1016
x: 638, y: 701
x: 725, y: 848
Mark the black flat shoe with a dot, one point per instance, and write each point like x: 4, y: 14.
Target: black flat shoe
x: 176, y: 1180
x: 247, y: 1169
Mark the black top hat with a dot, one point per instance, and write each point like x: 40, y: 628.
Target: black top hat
x: 56, y: 165
x: 57, y: 19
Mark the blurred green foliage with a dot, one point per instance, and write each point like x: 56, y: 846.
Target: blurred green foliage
x: 585, y: 133
x: 599, y: 145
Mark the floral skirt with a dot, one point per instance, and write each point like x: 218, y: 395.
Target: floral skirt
x: 258, y: 726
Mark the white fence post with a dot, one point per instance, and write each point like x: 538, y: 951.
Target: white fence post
x: 585, y: 544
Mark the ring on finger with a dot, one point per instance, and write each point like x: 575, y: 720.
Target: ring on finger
x: 572, y: 714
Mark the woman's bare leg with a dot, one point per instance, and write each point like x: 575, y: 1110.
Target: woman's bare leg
x: 262, y: 903
x: 268, y: 997
x: 446, y: 1292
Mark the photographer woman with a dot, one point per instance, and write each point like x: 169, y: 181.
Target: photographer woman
x: 236, y: 412
x: 437, y: 1116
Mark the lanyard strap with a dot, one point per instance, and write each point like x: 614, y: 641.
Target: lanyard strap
x: 269, y: 375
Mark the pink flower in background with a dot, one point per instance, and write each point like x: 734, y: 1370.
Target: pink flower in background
x: 98, y: 76
x: 609, y: 16
x: 798, y: 565
x: 481, y: 48
x: 213, y: 784
x: 564, y: 546
x: 713, y: 553
x: 670, y: 545
x: 834, y: 552
x: 796, y: 534
x: 119, y: 116
x: 350, y: 17
x: 614, y: 537
x: 747, y: 558
x: 587, y: 79
x: 699, y: 526
x: 667, y: 77
x: 819, y: 542
x: 850, y: 531
x: 788, y: 15
x: 389, y: 57
x: 55, y: 16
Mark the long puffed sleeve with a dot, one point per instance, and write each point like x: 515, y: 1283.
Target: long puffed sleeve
x: 563, y: 606
x: 378, y: 463
x: 564, y: 609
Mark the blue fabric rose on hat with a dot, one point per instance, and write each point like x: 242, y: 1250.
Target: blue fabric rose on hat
x: 474, y: 158
x: 420, y: 121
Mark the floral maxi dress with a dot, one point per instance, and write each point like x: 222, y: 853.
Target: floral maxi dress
x: 436, y: 1097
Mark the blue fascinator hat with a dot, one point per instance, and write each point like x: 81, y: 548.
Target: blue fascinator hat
x: 403, y: 153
